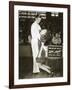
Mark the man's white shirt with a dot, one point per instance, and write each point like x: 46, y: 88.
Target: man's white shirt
x: 35, y: 29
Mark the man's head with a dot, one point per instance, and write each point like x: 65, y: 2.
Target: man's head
x: 38, y: 19
x: 57, y: 35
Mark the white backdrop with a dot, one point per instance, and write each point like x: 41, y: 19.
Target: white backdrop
x: 4, y: 44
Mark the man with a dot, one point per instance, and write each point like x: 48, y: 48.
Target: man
x: 35, y: 29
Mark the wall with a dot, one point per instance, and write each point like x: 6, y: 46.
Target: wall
x: 4, y: 45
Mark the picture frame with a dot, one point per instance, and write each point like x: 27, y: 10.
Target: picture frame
x: 57, y: 19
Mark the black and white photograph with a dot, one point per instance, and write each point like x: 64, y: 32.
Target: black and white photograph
x: 40, y: 44
x: 40, y: 51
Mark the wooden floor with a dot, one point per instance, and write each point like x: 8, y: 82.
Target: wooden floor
x: 26, y: 68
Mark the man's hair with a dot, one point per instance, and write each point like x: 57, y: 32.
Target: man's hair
x: 38, y: 16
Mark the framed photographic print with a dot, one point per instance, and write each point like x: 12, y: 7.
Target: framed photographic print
x: 39, y: 44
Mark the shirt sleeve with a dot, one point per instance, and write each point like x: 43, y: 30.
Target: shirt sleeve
x: 35, y: 32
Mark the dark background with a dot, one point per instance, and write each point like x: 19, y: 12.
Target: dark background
x: 51, y: 23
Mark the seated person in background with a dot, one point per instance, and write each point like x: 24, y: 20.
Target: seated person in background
x: 56, y: 40
x: 29, y: 39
